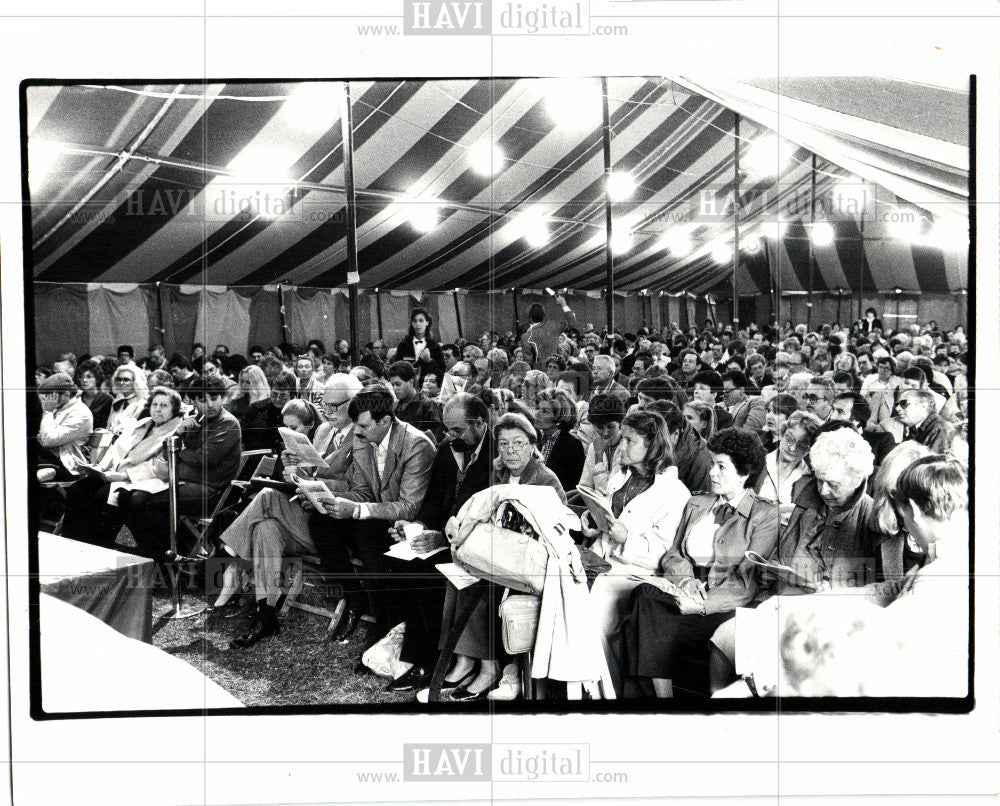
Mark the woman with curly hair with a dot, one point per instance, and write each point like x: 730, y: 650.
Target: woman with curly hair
x: 562, y: 452
x: 664, y: 641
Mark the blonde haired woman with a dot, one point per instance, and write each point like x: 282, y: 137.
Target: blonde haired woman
x: 251, y: 387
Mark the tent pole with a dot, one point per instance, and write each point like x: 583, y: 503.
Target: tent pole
x: 353, y: 276
x: 281, y: 312
x: 517, y: 315
x: 378, y: 313
x: 458, y: 313
x: 159, y: 319
x: 812, y: 253
x: 736, y: 219
x: 864, y: 254
x: 609, y: 296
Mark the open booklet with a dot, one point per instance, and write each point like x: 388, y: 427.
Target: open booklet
x: 302, y: 447
x: 599, y: 506
x: 316, y: 491
x: 784, y: 572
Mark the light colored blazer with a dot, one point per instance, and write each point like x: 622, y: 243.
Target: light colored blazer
x: 399, y: 492
x: 651, y: 519
x: 65, y: 432
x: 135, y: 447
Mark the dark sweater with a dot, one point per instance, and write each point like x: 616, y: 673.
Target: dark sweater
x: 210, y: 455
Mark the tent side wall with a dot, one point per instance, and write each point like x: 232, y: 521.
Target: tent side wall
x: 96, y: 319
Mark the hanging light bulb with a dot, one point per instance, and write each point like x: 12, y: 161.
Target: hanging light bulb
x: 621, y: 186
x: 485, y: 158
x: 621, y: 241
x: 768, y: 156
x: 723, y: 253
x: 822, y: 234
x: 573, y: 104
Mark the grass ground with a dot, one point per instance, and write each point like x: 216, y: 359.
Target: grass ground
x: 292, y: 668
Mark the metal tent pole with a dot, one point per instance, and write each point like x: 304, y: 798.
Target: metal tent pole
x: 353, y: 275
x: 812, y: 253
x: 736, y: 220
x: 178, y: 609
x: 609, y: 296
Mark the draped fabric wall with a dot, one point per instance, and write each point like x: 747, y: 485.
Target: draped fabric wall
x: 97, y: 319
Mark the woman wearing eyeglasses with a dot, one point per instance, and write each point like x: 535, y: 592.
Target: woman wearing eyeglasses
x: 786, y: 464
x: 518, y: 463
x: 128, y: 384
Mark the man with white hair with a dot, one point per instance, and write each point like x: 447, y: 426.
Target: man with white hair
x: 604, y: 378
x: 273, y: 525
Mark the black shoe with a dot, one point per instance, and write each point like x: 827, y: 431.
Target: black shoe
x: 264, y: 626
x: 462, y: 693
x: 345, y: 626
x: 418, y: 677
x: 361, y: 669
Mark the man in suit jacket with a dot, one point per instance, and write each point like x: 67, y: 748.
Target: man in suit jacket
x: 387, y: 480
x: 273, y: 525
x: 462, y: 467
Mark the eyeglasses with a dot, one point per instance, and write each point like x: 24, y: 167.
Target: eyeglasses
x: 457, y: 432
x: 905, y: 404
x: 334, y: 406
x: 516, y: 446
x: 809, y: 397
x: 123, y: 379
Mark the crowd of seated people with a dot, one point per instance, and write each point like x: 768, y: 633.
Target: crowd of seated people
x: 738, y: 468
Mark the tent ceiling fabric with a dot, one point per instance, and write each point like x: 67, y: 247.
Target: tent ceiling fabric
x: 243, y: 183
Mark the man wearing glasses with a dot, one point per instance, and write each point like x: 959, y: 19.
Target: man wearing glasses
x: 917, y: 411
x: 461, y: 468
x: 274, y: 525
x: 818, y: 398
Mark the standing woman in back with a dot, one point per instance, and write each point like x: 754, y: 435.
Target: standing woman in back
x: 418, y: 346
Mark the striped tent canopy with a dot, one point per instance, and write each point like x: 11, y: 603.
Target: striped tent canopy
x: 500, y: 183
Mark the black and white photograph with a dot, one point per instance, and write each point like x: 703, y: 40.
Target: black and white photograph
x: 483, y: 418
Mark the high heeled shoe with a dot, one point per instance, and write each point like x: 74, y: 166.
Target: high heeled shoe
x: 463, y: 694
x: 230, y: 585
x: 447, y: 689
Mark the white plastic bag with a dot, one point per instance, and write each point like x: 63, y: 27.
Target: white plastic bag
x: 383, y: 657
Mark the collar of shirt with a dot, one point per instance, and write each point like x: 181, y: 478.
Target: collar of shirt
x: 382, y: 451
x: 418, y: 345
x: 460, y: 459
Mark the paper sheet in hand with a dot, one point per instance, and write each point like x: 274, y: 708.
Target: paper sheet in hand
x: 457, y: 575
x: 402, y: 551
x: 316, y: 491
x: 302, y: 447
x: 783, y: 571
x: 599, y: 506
